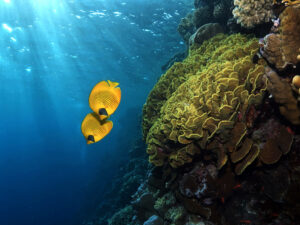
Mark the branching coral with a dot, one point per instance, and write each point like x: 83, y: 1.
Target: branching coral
x: 249, y: 13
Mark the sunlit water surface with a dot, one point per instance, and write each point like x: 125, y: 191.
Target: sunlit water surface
x: 52, y: 53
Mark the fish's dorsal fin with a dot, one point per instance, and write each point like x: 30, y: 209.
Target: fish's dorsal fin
x: 112, y: 84
x: 101, y: 85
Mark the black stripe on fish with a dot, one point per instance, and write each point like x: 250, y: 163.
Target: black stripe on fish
x: 91, y: 138
x: 102, y: 112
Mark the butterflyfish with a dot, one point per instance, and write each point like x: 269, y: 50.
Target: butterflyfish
x: 93, y: 129
x: 105, y: 98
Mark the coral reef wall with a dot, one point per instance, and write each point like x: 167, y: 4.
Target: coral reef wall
x: 222, y: 127
x: 210, y: 106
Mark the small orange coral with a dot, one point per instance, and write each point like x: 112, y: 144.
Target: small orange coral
x: 296, y: 81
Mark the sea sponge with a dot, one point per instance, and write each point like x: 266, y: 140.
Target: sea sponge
x: 205, y: 108
x: 249, y: 13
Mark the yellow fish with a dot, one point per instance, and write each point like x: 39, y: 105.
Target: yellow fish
x: 105, y: 98
x: 93, y: 129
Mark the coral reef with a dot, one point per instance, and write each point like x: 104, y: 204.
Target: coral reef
x: 186, y: 27
x: 179, y: 57
x: 214, y: 11
x: 222, y: 129
x: 290, y: 34
x: 201, y: 16
x: 124, y: 216
x: 279, y: 48
x: 212, y: 111
x: 154, y: 220
x: 201, y: 194
x: 249, y: 13
x: 284, y: 95
x: 114, y: 206
x: 175, y: 76
x: 205, y: 32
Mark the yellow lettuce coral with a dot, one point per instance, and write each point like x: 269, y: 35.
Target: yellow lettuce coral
x: 199, y: 57
x: 203, y: 110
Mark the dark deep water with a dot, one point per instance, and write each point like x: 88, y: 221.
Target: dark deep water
x: 52, y: 53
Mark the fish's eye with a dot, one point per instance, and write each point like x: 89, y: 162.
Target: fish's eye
x: 91, y: 138
x: 103, y: 112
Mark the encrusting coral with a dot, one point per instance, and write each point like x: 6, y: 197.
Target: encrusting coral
x: 279, y: 48
x: 290, y: 34
x: 213, y: 108
x: 283, y: 95
x: 249, y: 13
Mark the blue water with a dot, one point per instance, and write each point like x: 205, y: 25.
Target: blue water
x: 52, y: 53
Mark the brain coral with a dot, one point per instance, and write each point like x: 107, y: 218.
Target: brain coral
x: 206, y: 111
x: 252, y: 12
